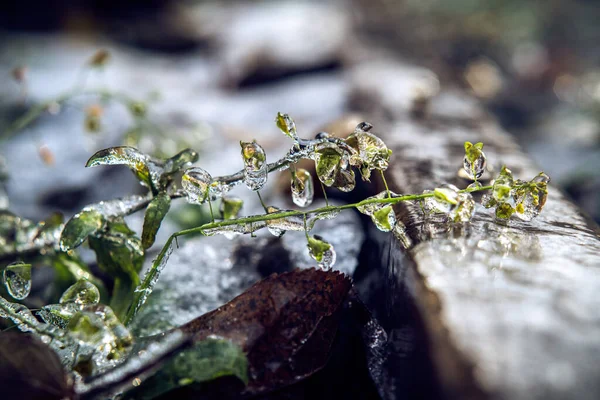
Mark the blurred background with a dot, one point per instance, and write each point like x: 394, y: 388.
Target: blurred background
x: 225, y: 68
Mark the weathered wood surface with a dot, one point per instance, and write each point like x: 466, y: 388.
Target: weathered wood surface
x: 512, y: 312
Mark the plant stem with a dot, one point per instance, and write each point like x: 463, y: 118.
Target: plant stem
x: 36, y: 111
x: 8, y: 312
x: 324, y: 193
x: 387, y: 189
x: 154, y: 269
x: 262, y: 203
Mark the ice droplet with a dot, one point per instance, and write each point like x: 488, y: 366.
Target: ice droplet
x: 82, y: 293
x: 302, y: 188
x: 531, y: 197
x: 255, y: 165
x: 449, y: 202
x: 286, y: 124
x: 464, y: 209
x: 501, y: 190
x: 370, y: 152
x: 151, y: 355
x: 196, y: 182
x: 344, y: 178
x: 103, y: 339
x: 475, y: 160
x: 327, y: 158
x: 17, y: 279
x: 382, y: 215
x: 321, y: 251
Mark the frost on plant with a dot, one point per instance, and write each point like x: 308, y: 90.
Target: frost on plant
x: 87, y: 328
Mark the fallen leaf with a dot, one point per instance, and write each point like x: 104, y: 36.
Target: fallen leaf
x: 285, y: 324
x: 31, y: 370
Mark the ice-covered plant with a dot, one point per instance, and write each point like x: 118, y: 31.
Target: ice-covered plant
x: 87, y: 328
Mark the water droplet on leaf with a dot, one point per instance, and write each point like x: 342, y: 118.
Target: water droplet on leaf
x: 17, y: 279
x: 196, y: 182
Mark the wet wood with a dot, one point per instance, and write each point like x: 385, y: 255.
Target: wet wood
x: 511, y: 312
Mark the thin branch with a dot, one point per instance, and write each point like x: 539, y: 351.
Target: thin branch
x: 155, y: 270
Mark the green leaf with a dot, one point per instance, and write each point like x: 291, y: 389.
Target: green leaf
x: 230, y: 207
x: 156, y: 211
x: 286, y: 125
x: 79, y: 227
x: 473, y: 151
x: 381, y: 218
x: 124, y: 155
x: 317, y: 247
x: 446, y: 195
x: 181, y: 160
x: 120, y: 254
x: 207, y: 360
x: 327, y: 162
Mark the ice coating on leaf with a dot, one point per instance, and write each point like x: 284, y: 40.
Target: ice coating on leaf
x: 383, y: 215
x: 475, y: 160
x: 143, y: 360
x: 58, y: 315
x: 152, y: 275
x: 501, y: 190
x: 444, y: 198
x: 102, y: 338
x: 321, y: 251
x: 464, y: 208
x: 181, y: 160
x: 384, y: 218
x: 530, y: 197
x: 196, y: 182
x: 286, y: 124
x: 155, y: 213
x: 82, y: 293
x: 255, y: 165
x: 327, y: 158
x: 303, y: 190
x: 17, y: 279
x: 524, y: 200
x: 449, y: 202
x: 344, y: 178
x: 124, y: 155
x: 370, y: 152
x: 118, y: 207
x: 79, y: 227
x: 219, y: 189
x: 278, y: 226
x: 230, y: 207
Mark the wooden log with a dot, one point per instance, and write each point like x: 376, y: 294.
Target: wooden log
x: 511, y: 312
